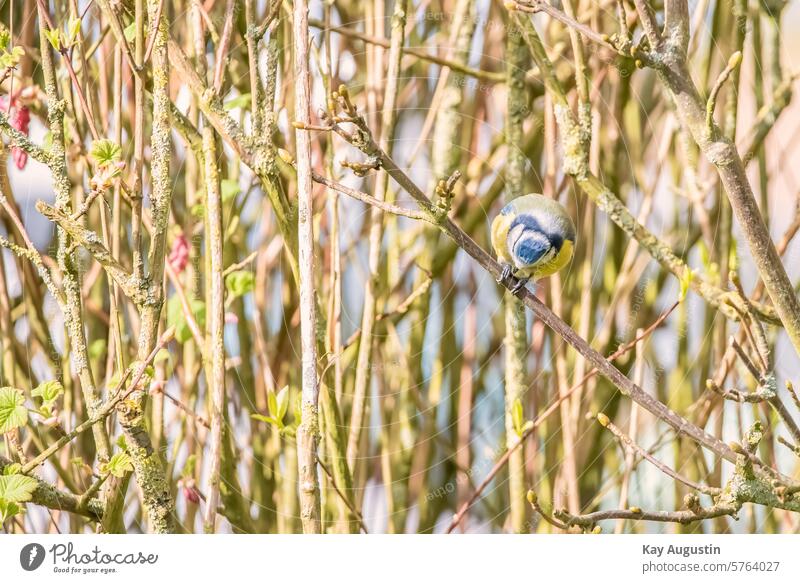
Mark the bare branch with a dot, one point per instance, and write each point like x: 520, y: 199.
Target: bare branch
x: 91, y: 242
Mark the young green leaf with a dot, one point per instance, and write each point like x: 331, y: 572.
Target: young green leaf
x: 13, y: 413
x: 8, y: 510
x: 48, y: 391
x: 272, y: 403
x: 53, y: 36
x: 240, y: 283
x: 119, y: 465
x: 241, y: 101
x: 105, y: 152
x: 267, y: 419
x: 282, y: 403
x: 17, y: 488
x: 175, y: 317
x: 10, y: 59
x: 73, y: 28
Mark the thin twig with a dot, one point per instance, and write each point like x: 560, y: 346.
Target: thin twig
x: 619, y: 434
x: 108, y: 407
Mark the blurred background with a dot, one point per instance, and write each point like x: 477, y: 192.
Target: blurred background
x: 437, y: 409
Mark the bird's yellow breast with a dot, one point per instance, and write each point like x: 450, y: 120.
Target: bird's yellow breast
x: 557, y: 263
x: 500, y: 226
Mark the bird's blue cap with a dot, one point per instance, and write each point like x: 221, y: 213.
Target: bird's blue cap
x: 531, y: 249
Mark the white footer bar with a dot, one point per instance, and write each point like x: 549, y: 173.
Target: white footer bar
x: 401, y: 558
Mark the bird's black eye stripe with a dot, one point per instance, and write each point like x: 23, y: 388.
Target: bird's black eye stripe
x: 531, y: 223
x: 556, y: 241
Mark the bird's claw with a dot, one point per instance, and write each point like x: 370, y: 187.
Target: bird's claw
x: 519, y: 285
x: 508, y: 279
x: 506, y: 276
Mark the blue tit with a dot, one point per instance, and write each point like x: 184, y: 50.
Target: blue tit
x: 533, y: 237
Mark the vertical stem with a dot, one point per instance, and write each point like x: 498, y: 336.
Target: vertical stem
x: 633, y: 424
x: 114, y: 488
x: 138, y: 143
x: 307, y: 432
x: 150, y: 475
x: 335, y: 308
x: 516, y: 336
x: 73, y: 315
x: 256, y: 92
x: 388, y: 121
x: 215, y: 341
x: 466, y: 392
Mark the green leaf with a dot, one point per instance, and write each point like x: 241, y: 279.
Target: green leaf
x: 517, y: 416
x: 48, y: 391
x: 11, y: 58
x: 241, y: 101
x: 17, y: 488
x: 240, y: 283
x: 12, y: 469
x: 230, y: 189
x: 175, y: 317
x: 272, y: 403
x: 121, y: 443
x: 282, y: 403
x: 161, y: 356
x: 53, y: 36
x: 119, y: 465
x: 266, y: 419
x: 8, y: 510
x: 73, y: 28
x: 105, y: 152
x: 13, y: 413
